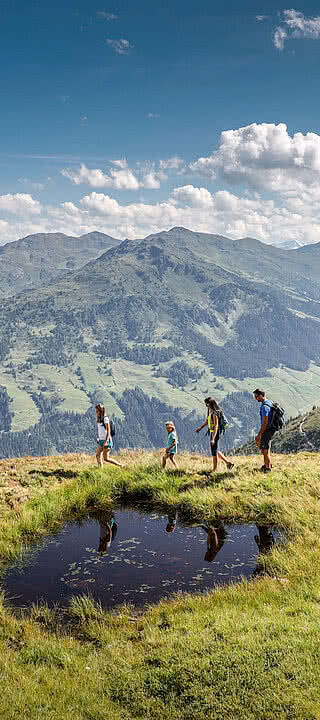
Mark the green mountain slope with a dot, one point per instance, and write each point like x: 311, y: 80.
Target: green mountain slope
x: 178, y: 315
x: 41, y: 258
x: 300, y: 434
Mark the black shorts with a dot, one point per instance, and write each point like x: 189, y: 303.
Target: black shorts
x: 266, y: 437
x: 214, y: 444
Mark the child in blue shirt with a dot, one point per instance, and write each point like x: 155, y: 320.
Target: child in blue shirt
x: 171, y: 449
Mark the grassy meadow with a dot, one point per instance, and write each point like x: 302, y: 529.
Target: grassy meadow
x: 247, y: 651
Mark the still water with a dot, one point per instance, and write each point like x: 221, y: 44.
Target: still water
x: 128, y: 556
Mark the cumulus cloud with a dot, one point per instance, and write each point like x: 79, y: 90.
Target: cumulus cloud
x: 120, y: 177
x: 223, y: 212
x: 172, y: 163
x: 195, y: 208
x: 121, y: 47
x: 269, y: 188
x: 20, y: 203
x: 295, y: 25
x: 152, y: 180
x: 264, y: 156
x: 190, y: 196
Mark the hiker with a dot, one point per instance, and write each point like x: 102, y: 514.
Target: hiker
x: 172, y: 522
x: 267, y: 431
x: 171, y: 449
x: 215, y: 541
x: 104, y: 439
x: 265, y: 540
x: 213, y: 423
x: 108, y: 531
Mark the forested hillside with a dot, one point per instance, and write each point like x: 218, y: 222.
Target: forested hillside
x: 178, y: 316
x: 143, y: 426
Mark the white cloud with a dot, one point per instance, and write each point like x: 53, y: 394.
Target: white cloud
x: 193, y: 207
x: 152, y: 180
x: 121, y: 178
x: 152, y: 116
x: 172, y: 163
x: 121, y: 47
x: 261, y: 18
x: 20, y: 203
x: 296, y: 26
x: 264, y: 156
x: 106, y: 15
x: 121, y: 163
x: 279, y: 38
x: 269, y: 188
x: 302, y: 26
x: 190, y: 196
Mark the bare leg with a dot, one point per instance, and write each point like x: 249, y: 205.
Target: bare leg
x: 164, y: 460
x: 173, y: 461
x: 267, y: 458
x: 221, y: 456
x: 228, y: 463
x: 214, y: 463
x: 99, y: 455
x: 107, y: 458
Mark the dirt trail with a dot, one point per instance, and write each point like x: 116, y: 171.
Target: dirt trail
x: 302, y: 431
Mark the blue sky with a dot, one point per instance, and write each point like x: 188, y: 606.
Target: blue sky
x: 137, y: 95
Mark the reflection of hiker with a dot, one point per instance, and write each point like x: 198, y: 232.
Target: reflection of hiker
x: 171, y: 449
x: 213, y: 423
x: 215, y: 541
x: 104, y: 439
x: 108, y: 531
x: 172, y: 522
x: 265, y: 539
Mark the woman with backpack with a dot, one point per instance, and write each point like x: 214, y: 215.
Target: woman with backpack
x: 104, y: 439
x: 213, y: 423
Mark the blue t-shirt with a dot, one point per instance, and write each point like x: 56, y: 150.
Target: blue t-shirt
x: 265, y: 411
x: 172, y: 437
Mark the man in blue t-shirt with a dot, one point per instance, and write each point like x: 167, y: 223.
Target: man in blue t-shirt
x: 266, y: 432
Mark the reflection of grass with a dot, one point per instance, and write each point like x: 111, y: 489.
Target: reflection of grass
x: 247, y: 651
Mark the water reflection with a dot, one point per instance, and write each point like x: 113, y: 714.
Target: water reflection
x: 265, y: 540
x: 215, y: 540
x: 130, y: 556
x: 108, y: 530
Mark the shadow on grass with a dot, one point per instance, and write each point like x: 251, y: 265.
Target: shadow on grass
x: 60, y: 473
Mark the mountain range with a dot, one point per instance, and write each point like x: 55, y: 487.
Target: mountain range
x: 41, y: 258
x: 156, y: 323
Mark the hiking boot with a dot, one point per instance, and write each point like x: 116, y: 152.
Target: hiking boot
x: 230, y: 465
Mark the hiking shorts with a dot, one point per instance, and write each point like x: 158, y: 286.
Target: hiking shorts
x: 214, y: 444
x: 266, y: 437
x: 109, y: 446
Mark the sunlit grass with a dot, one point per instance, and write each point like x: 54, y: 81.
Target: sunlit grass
x: 250, y: 650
